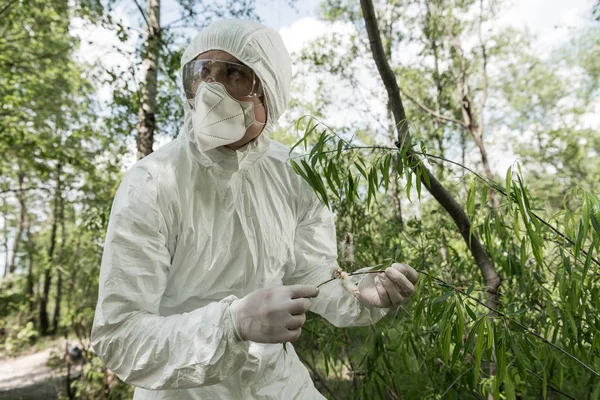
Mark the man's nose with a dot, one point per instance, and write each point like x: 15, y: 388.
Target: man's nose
x: 210, y: 79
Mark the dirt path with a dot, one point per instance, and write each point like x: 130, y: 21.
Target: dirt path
x: 27, y: 377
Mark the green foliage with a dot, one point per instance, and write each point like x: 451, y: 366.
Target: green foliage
x: 20, y: 338
x: 545, y: 326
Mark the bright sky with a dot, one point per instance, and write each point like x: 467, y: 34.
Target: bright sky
x: 550, y: 20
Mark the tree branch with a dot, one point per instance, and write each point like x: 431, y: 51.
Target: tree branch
x: 143, y: 14
x: 456, y: 380
x: 437, y: 190
x: 434, y: 113
x: 485, y: 77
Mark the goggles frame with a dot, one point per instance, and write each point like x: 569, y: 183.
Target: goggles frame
x: 190, y: 78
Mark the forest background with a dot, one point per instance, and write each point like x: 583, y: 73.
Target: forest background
x: 459, y: 136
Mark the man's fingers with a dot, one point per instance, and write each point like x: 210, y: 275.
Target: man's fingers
x: 303, y: 291
x: 392, y: 291
x: 292, y: 335
x: 404, y: 285
x: 297, y: 321
x: 383, y: 295
x: 408, y: 271
x: 299, y: 306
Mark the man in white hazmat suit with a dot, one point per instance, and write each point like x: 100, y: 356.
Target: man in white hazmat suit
x: 215, y: 246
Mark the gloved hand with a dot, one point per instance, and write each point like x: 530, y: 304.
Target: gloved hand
x: 390, y: 288
x: 272, y: 315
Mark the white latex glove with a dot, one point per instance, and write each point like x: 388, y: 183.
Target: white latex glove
x: 272, y: 315
x: 390, y: 288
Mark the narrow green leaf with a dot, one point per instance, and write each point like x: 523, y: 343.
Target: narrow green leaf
x: 418, y: 177
x: 490, y: 333
x: 508, y: 182
x: 470, y: 289
x: 309, y: 129
x: 447, y: 335
x: 459, y: 328
x: 340, y: 148
x: 408, y: 183
x: 488, y: 236
x: 471, y: 199
x: 361, y: 169
x: 444, y: 297
x: 516, y: 227
x: 579, y: 240
x: 399, y: 164
x: 500, y: 361
x: 523, y: 259
x: 470, y: 312
x: 483, y: 194
x: 509, y: 388
x: 385, y: 170
x: 351, y: 189
x: 479, y: 350
x: 596, y: 225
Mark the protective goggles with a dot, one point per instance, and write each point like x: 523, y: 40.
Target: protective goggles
x: 239, y: 80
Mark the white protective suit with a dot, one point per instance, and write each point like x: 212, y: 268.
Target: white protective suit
x: 191, y: 231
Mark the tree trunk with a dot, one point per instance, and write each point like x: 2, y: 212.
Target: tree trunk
x: 147, y: 111
x: 44, y: 323
x: 56, y: 316
x: 30, y: 252
x: 470, y: 119
x: 431, y: 34
x: 12, y: 265
x: 486, y: 266
x: 5, y: 231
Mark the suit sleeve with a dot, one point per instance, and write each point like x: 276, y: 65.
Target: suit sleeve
x: 315, y: 258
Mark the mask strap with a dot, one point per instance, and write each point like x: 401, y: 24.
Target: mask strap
x: 258, y: 122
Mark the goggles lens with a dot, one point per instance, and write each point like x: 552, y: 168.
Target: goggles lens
x: 239, y: 80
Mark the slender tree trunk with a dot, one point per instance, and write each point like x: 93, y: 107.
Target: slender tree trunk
x: 44, y: 323
x: 5, y: 232
x: 30, y: 253
x: 470, y: 119
x: 432, y: 35
x: 73, y: 277
x: 12, y: 266
x: 63, y: 238
x: 486, y: 266
x: 147, y: 110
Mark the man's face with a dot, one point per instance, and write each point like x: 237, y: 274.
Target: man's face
x: 260, y: 111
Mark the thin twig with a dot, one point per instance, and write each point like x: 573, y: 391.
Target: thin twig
x: 433, y: 113
x: 455, y: 381
x: 351, y: 274
x: 143, y: 14
x: 550, y: 386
